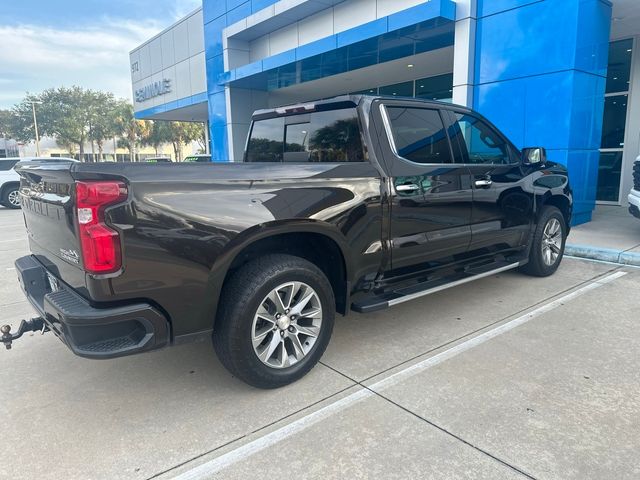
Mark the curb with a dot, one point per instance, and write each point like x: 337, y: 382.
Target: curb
x: 603, y: 254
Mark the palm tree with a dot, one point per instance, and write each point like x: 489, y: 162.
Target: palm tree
x: 130, y: 130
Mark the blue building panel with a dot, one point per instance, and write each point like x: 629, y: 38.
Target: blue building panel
x: 257, y: 5
x: 279, y: 60
x: 363, y: 32
x: 173, y: 105
x: 238, y: 13
x: 213, y: 36
x: 316, y: 48
x: 549, y: 59
x: 491, y: 7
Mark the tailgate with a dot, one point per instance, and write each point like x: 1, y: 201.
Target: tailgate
x: 46, y: 189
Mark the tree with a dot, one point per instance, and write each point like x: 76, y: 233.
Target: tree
x: 73, y: 116
x: 130, y: 130
x: 103, y: 123
x: 183, y: 133
x: 65, y: 114
x: 159, y: 134
x: 6, y: 123
x: 337, y: 142
x: 21, y: 120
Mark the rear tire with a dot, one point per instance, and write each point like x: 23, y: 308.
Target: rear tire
x: 11, y: 197
x: 253, y: 336
x: 547, y: 248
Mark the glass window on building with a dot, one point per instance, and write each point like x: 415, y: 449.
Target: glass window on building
x: 404, y: 89
x: 439, y: 87
x: 366, y: 91
x: 614, y: 121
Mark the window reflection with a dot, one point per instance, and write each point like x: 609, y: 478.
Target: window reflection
x: 614, y: 120
x: 330, y: 136
x: 609, y: 171
x: 419, y: 135
x: 619, y: 68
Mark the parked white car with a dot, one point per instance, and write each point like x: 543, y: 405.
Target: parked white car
x: 634, y: 195
x: 10, y: 180
x: 9, y: 183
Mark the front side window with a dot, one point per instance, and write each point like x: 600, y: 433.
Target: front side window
x: 482, y: 143
x: 328, y: 136
x: 419, y: 134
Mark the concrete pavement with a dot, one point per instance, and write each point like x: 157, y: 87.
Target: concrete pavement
x: 612, y: 236
x: 553, y: 395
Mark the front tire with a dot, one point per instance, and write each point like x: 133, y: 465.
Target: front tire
x: 547, y: 248
x: 275, y: 320
x: 11, y: 197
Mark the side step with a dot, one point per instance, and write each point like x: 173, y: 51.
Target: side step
x: 427, y: 288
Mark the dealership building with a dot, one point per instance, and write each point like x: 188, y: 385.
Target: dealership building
x: 563, y: 74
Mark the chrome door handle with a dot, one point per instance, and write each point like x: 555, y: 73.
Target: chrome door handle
x: 409, y: 187
x: 485, y: 182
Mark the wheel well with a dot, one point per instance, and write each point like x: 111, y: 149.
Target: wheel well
x: 319, y: 249
x: 7, y: 185
x: 562, y: 204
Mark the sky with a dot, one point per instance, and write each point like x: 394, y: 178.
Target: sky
x: 52, y: 43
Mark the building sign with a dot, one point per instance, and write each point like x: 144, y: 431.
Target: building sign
x: 154, y: 89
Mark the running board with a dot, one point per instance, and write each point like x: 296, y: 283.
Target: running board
x: 427, y: 288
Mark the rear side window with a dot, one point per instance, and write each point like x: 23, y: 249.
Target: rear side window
x: 6, y: 165
x: 480, y: 143
x: 267, y: 140
x: 419, y: 135
x: 329, y: 136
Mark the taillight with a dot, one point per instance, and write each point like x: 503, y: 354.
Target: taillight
x: 99, y: 243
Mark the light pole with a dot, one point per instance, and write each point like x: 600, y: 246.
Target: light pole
x: 35, y: 124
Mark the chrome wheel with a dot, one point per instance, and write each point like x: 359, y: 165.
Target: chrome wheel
x: 14, y: 198
x: 551, y: 241
x: 286, y: 325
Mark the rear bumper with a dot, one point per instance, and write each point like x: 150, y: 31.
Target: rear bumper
x: 87, y: 330
x: 634, y: 203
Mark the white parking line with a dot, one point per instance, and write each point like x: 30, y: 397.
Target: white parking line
x: 14, y: 240
x: 207, y: 469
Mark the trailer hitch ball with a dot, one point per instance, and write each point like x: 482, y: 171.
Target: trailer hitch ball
x: 32, y: 325
x: 6, y: 335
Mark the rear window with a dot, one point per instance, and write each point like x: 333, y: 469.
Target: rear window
x: 329, y: 136
x: 6, y: 165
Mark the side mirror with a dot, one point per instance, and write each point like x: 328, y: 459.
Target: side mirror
x: 534, y: 156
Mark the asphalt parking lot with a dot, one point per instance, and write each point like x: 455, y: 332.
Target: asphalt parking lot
x: 507, y: 377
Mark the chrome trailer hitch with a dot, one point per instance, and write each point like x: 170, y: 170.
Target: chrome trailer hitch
x: 34, y: 325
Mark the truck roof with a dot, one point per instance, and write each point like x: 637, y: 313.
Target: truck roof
x: 342, y: 101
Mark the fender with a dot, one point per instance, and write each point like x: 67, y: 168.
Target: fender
x: 220, y: 268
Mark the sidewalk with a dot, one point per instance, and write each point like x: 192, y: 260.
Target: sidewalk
x: 612, y: 236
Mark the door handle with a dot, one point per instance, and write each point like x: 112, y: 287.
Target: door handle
x: 484, y: 182
x: 409, y: 187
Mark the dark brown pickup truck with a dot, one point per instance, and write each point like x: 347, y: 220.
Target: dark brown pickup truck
x: 354, y: 203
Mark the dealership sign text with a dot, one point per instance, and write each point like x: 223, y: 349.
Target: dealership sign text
x: 154, y: 89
